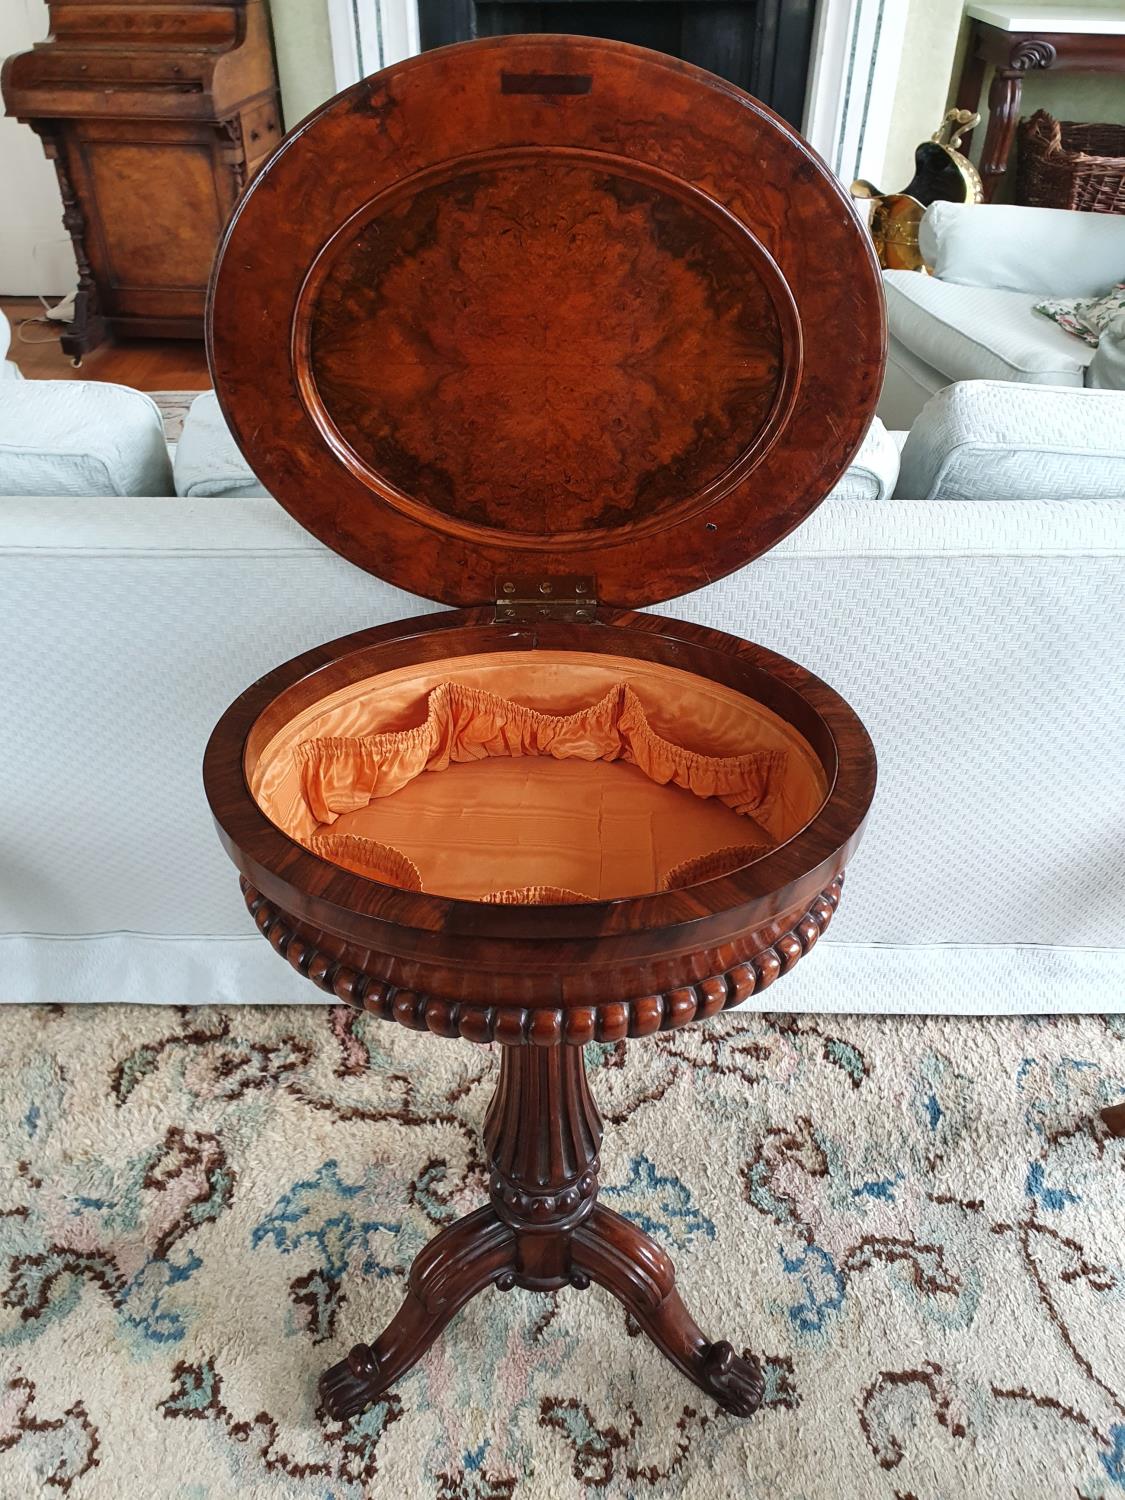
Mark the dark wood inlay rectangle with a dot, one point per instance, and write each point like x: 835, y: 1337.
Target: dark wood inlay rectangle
x: 546, y: 83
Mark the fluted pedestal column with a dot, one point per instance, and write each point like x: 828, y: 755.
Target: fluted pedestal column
x: 543, y: 1133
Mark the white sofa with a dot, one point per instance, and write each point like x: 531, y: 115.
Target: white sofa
x: 981, y: 640
x: 974, y: 317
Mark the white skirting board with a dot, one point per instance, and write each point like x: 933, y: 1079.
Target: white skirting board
x: 838, y: 978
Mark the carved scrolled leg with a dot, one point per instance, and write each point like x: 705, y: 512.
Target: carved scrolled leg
x: 620, y: 1257
x: 475, y: 1252
x: 1003, y: 117
x: 969, y: 88
x: 88, y: 327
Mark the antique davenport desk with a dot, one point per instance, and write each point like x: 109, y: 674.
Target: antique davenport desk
x: 544, y: 328
x: 156, y: 116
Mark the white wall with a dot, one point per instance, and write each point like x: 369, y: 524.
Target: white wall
x: 921, y: 87
x: 302, y: 44
x: 35, y: 251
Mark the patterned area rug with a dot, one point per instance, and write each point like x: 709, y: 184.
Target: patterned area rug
x: 917, y: 1223
x: 174, y: 407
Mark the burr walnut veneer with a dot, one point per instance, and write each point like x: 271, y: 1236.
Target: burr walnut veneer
x: 544, y: 328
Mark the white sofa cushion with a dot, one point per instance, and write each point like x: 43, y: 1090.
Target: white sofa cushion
x: 1106, y: 370
x: 80, y: 437
x: 208, y: 460
x: 987, y: 440
x: 873, y: 472
x: 980, y: 333
x: 1042, y: 250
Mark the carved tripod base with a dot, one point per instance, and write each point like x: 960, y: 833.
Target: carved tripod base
x: 542, y: 1230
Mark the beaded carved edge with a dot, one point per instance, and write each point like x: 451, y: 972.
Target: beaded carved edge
x: 514, y: 1024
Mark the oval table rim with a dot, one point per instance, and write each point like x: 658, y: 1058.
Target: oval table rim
x: 772, y: 885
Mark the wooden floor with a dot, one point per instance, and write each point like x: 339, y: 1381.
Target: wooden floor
x: 145, y: 364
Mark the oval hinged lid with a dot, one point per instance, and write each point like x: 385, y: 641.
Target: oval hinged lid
x: 546, y: 306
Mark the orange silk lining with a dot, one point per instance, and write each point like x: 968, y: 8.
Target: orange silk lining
x: 466, y: 724
x: 599, y: 829
x: 532, y: 806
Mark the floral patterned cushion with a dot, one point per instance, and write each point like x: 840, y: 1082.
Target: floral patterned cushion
x: 1085, y: 317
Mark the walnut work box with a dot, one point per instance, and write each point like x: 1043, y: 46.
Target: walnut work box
x: 547, y: 329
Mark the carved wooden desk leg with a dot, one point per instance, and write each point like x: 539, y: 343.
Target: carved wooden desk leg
x: 457, y: 1264
x: 542, y: 1230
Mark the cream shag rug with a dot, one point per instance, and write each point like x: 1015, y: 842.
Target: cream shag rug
x: 916, y: 1222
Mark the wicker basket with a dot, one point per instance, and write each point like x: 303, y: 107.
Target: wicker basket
x: 1066, y: 165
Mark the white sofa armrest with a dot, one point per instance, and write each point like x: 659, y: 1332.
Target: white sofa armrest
x: 1050, y: 251
x: 990, y: 440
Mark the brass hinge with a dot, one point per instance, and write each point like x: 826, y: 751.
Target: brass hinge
x: 527, y: 599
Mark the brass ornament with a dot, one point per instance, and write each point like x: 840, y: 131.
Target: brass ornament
x: 941, y: 174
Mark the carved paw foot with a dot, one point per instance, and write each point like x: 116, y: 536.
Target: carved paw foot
x: 351, y: 1385
x: 736, y: 1383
